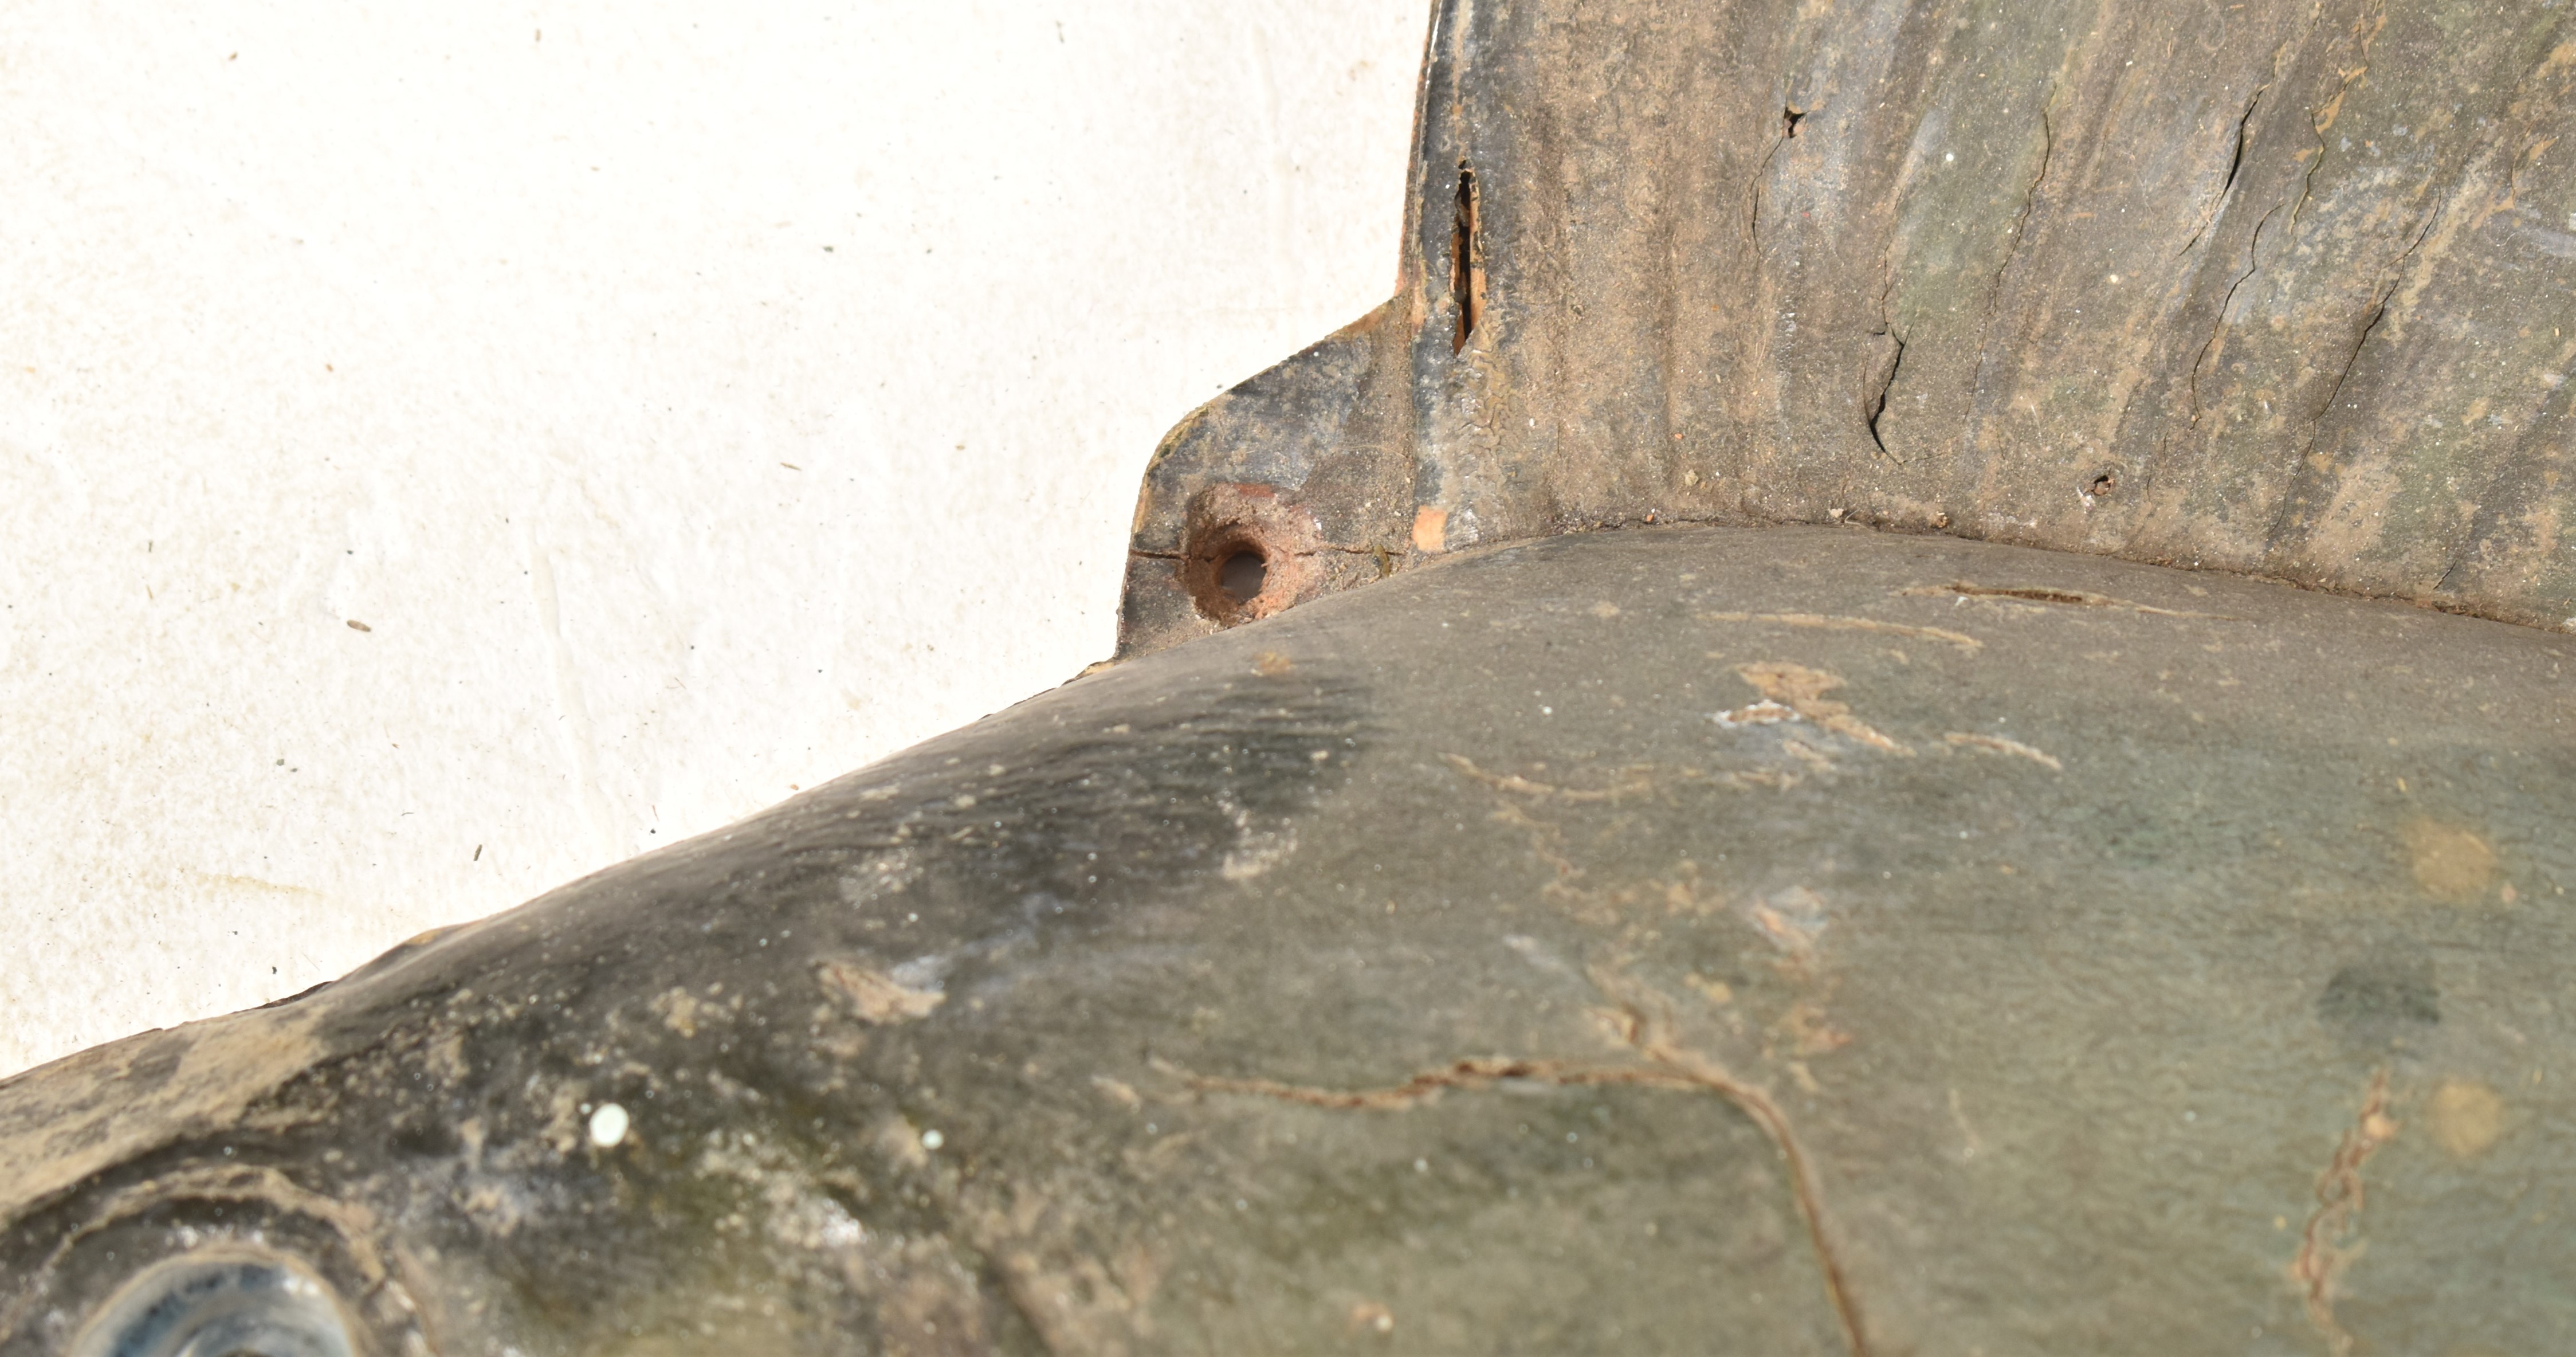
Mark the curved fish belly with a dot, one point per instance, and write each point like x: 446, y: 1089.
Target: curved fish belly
x: 1750, y: 940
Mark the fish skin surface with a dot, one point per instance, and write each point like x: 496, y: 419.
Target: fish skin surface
x: 1719, y: 939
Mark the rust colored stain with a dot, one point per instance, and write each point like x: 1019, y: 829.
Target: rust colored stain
x: 875, y: 996
x: 1430, y: 530
x: 1960, y: 739
x: 1803, y: 690
x: 2450, y: 862
x: 1822, y: 622
x: 2323, y: 1252
x: 1635, y: 783
x: 2466, y: 1117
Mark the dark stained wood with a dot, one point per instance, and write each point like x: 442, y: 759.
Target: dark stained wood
x: 2284, y: 289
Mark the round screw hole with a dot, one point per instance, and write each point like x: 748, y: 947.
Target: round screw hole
x: 1235, y: 575
x: 1246, y: 554
x: 1242, y: 575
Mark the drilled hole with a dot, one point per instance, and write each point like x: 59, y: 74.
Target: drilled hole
x: 1790, y: 117
x: 1242, y: 575
x: 1232, y: 573
x: 2101, y: 485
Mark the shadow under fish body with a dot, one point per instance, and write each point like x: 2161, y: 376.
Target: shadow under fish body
x: 1826, y: 940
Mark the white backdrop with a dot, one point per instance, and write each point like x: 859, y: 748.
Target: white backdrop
x: 446, y: 449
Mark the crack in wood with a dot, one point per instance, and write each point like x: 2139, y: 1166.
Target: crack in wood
x: 1666, y: 1064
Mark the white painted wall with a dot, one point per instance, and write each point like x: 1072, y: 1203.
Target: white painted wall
x: 692, y: 402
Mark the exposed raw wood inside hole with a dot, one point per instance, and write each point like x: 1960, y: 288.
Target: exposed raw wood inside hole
x: 1235, y: 574
x: 1247, y: 553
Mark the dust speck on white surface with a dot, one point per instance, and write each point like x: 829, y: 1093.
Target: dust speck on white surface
x: 439, y: 463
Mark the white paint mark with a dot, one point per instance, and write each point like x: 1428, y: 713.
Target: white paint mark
x: 931, y: 1140
x: 608, y: 1125
x: 840, y: 1230
x: 1763, y: 713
